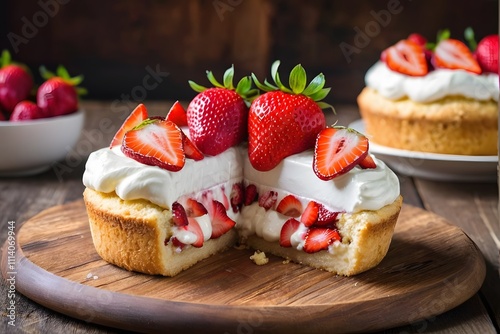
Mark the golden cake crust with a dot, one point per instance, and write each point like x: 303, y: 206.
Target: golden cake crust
x: 452, y: 125
x: 366, y: 239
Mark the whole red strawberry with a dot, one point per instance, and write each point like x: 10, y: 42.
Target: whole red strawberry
x: 15, y: 83
x: 217, y: 117
x: 487, y: 53
x: 285, y: 121
x: 58, y: 95
x: 26, y: 110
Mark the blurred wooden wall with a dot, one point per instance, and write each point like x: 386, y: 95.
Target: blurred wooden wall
x: 118, y: 44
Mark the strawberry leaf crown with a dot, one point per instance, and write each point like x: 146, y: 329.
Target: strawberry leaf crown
x: 243, y: 88
x: 441, y: 36
x: 298, y: 84
x: 62, y: 72
x: 6, y: 59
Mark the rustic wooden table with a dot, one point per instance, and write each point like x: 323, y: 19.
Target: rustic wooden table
x: 471, y: 206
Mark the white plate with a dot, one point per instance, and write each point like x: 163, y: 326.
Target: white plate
x: 441, y: 167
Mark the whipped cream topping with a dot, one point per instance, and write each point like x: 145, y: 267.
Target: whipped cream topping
x: 435, y: 85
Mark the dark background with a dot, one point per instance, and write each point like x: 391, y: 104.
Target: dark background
x: 113, y: 43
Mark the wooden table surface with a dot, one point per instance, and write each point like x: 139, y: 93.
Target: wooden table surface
x: 471, y: 206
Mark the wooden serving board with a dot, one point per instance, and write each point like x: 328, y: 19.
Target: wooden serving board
x: 431, y: 267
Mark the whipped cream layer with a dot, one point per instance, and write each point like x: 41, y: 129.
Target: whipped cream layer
x: 435, y: 85
x: 108, y: 170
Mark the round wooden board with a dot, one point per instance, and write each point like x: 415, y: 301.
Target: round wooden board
x: 431, y: 267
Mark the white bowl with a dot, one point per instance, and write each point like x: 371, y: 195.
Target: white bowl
x: 32, y: 147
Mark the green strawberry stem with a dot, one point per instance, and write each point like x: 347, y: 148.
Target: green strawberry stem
x: 470, y: 38
x: 63, y: 73
x: 298, y: 84
x: 441, y: 35
x: 243, y: 88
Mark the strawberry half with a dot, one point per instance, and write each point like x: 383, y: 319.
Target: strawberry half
x: 285, y: 121
x: 58, y: 94
x: 325, y: 216
x: 289, y: 228
x: 310, y: 215
x: 217, y: 117
x: 454, y: 54
x: 179, y: 216
x: 135, y: 118
x: 319, y: 238
x: 268, y: 200
x: 221, y: 223
x: 237, y: 197
x: 337, y: 151
x: 407, y: 57
x: 190, y: 149
x: 15, y: 83
x: 251, y: 194
x: 155, y: 143
x: 367, y: 162
x: 195, y: 228
x: 195, y: 208
x: 290, y: 206
x: 177, y: 114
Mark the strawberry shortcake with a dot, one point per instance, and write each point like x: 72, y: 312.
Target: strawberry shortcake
x: 437, y: 98
x: 266, y: 173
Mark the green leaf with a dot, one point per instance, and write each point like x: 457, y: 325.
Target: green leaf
x: 324, y: 105
x: 244, y: 85
x: 81, y: 91
x: 45, y: 73
x: 320, y: 95
x: 442, y: 35
x: 315, y: 85
x: 212, y: 80
x: 470, y: 38
x: 62, y: 72
x: 270, y: 86
x: 6, y: 58
x: 258, y: 83
x: 228, y: 78
x: 298, y: 79
x: 197, y: 88
x: 75, y: 81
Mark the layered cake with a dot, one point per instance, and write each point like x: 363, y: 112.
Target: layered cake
x: 440, y: 98
x: 162, y: 198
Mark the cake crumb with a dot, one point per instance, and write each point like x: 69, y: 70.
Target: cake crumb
x: 287, y: 261
x: 89, y: 276
x: 259, y: 258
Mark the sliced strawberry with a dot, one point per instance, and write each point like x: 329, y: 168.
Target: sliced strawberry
x: 177, y: 114
x: 310, y: 215
x: 290, y: 206
x: 289, y: 228
x: 195, y: 208
x: 407, y: 57
x: 221, y: 223
x: 195, y: 228
x: 223, y: 198
x: 179, y: 216
x: 319, y: 238
x: 268, y: 200
x: 138, y: 115
x: 454, y: 54
x: 251, y: 194
x: 367, y: 162
x: 236, y: 197
x: 190, y: 149
x: 325, y: 216
x: 155, y: 143
x: 337, y: 151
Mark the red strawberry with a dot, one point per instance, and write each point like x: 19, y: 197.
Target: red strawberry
x: 337, y: 151
x: 2, y: 116
x: 223, y: 198
x: 135, y: 118
x: 285, y: 121
x: 325, y: 216
x: 221, y: 223
x: 195, y: 208
x: 319, y: 238
x: 417, y: 39
x: 236, y: 197
x: 251, y: 194
x: 454, y: 54
x: 268, y: 200
x: 217, y: 117
x: 290, y: 206
x: 289, y: 228
x: 310, y: 215
x: 177, y: 114
x: 407, y: 57
x: 155, y: 143
x: 367, y: 162
x: 195, y: 228
x: 26, y: 110
x: 15, y: 83
x: 58, y: 95
x: 487, y: 53
x: 179, y: 216
x: 190, y: 149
